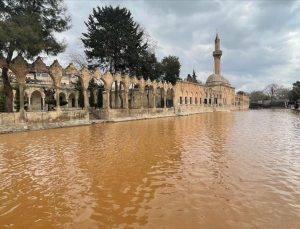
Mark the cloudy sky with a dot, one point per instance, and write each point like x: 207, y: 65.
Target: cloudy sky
x: 260, y: 39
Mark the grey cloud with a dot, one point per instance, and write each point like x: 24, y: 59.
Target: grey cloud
x: 259, y: 38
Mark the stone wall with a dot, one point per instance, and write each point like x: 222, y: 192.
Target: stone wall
x: 12, y: 122
x: 140, y: 113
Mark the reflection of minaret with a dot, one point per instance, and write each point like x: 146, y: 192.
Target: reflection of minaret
x: 217, y: 55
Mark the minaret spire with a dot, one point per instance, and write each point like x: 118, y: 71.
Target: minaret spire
x: 217, y: 55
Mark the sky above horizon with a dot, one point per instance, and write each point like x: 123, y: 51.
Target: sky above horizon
x: 259, y: 39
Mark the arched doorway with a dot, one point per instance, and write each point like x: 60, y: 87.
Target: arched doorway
x: 170, y: 98
x: 36, y: 101
x: 71, y: 100
x: 62, y: 99
x: 134, y: 96
x: 149, y: 96
x: 117, y: 95
x: 96, y: 90
x: 159, y: 97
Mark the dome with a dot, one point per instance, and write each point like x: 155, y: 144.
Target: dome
x: 216, y: 79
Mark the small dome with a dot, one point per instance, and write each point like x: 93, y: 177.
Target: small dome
x: 215, y: 79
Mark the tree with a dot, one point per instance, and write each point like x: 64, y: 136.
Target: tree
x: 78, y: 87
x: 283, y: 93
x: 28, y: 27
x: 256, y: 96
x: 151, y: 68
x: 276, y: 92
x: 114, y: 41
x: 294, y: 94
x: 171, y: 68
x: 2, y: 99
x: 194, y: 76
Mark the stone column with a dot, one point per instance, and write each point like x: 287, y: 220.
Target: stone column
x: 116, y: 95
x: 142, y: 99
x: 21, y: 89
x: 126, y: 100
x: 13, y: 102
x: 57, y: 99
x: 76, y: 101
x: 86, y: 98
x: 154, y: 99
x: 107, y: 100
x: 29, y: 102
x: 43, y: 103
x: 67, y: 100
x: 95, y: 97
x: 165, y: 99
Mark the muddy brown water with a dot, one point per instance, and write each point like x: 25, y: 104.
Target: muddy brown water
x: 215, y: 170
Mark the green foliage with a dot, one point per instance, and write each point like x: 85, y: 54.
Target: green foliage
x: 114, y: 41
x: 78, y: 87
x: 150, y: 68
x: 171, y: 68
x: 294, y: 94
x: 92, y: 87
x: 98, y: 101
x: 28, y: 26
x: 100, y: 98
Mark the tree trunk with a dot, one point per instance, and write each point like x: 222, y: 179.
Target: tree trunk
x: 7, y: 90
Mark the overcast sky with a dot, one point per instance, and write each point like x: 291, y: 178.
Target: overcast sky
x: 260, y: 39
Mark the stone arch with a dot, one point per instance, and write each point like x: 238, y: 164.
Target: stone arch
x: 117, y: 95
x: 97, y: 92
x: 71, y: 100
x: 186, y: 98
x: 159, y: 97
x: 36, y: 101
x: 63, y: 99
x: 191, y: 98
x: 170, y: 98
x: 134, y: 95
x: 149, y: 96
x: 181, y: 98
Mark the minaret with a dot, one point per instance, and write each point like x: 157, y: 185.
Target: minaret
x: 217, y: 55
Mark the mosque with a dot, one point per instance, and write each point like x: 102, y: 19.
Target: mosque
x: 116, y: 96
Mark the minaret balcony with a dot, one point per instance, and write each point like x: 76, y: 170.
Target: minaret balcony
x: 217, y: 53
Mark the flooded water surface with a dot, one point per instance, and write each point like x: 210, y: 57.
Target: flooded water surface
x: 217, y: 170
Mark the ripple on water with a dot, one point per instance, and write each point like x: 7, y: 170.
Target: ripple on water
x: 221, y: 170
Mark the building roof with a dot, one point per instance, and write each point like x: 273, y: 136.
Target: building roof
x: 216, y: 80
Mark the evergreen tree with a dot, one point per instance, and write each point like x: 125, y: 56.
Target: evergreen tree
x: 194, y: 77
x: 100, y: 97
x: 114, y: 41
x: 171, y: 69
x: 92, y: 87
x: 28, y: 27
x: 78, y: 87
x: 150, y: 67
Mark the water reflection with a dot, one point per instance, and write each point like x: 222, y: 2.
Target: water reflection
x: 220, y: 170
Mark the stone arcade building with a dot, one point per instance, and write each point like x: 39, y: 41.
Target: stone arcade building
x: 122, y: 96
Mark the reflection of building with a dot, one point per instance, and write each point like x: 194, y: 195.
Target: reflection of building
x: 118, y: 96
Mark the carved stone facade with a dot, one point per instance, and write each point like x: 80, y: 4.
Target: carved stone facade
x: 123, y: 95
